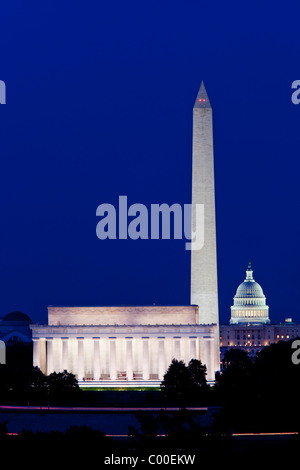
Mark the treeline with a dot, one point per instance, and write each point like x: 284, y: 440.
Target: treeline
x: 32, y: 387
x: 259, y: 395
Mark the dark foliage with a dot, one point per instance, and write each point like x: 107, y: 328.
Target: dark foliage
x: 185, y: 384
x: 36, y: 388
x: 260, y: 395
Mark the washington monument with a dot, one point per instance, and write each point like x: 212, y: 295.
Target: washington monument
x: 204, y: 288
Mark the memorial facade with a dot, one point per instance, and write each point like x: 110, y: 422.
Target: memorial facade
x: 121, y: 343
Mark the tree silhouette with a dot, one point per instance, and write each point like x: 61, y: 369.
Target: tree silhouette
x: 197, y: 374
x: 183, y: 384
x: 176, y: 381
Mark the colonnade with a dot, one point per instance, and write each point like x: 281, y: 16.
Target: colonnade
x: 50, y: 355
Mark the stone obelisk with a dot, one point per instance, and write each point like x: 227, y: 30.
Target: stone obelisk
x: 204, y: 287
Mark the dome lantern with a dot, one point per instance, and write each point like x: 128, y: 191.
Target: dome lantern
x: 249, y: 272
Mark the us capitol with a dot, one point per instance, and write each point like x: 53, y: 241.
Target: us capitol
x: 250, y: 328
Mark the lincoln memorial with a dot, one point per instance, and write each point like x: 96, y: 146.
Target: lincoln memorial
x: 132, y: 344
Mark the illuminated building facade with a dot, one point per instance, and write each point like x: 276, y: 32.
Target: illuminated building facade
x: 129, y: 344
x: 249, y: 303
x: 250, y: 328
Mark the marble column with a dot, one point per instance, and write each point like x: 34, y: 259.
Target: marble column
x: 43, y: 355
x: 65, y: 354
x: 146, y: 364
x: 212, y: 355
x: 97, y: 371
x: 112, y: 359
x: 193, y: 353
x: 209, y: 357
x: 36, y: 352
x: 161, y: 358
x: 80, y: 369
x: 129, y: 359
x: 50, y: 364
x: 177, y: 352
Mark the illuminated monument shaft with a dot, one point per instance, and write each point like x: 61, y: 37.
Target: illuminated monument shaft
x: 204, y: 288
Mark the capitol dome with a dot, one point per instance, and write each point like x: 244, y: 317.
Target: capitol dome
x: 249, y: 288
x: 249, y: 302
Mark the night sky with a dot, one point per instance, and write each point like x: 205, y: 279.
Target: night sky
x: 99, y: 104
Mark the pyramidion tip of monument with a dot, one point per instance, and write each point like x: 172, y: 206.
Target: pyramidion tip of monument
x: 202, y: 100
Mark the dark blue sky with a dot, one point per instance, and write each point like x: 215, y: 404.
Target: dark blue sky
x: 99, y: 104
